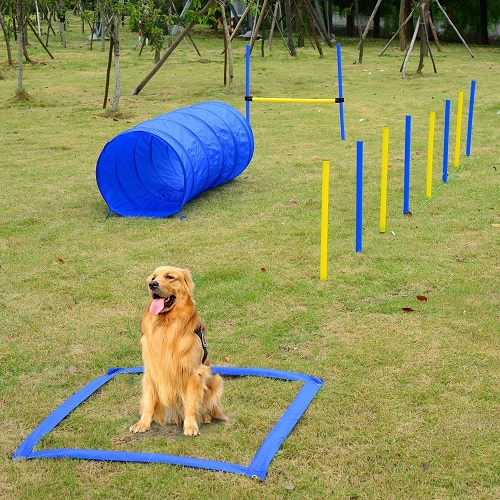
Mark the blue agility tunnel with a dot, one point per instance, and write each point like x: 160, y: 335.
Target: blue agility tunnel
x: 155, y: 168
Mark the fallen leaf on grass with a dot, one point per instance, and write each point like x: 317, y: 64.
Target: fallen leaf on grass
x: 408, y: 310
x: 422, y: 298
x: 263, y: 269
x: 62, y: 261
x: 426, y: 465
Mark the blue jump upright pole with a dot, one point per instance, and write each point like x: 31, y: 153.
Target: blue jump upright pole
x: 341, y: 92
x: 359, y: 196
x: 406, y: 190
x: 471, y: 114
x: 247, y: 82
x: 446, y: 141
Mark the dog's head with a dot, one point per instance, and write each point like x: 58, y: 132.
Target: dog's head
x: 169, y: 287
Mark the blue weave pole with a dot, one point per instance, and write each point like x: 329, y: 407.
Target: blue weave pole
x: 471, y: 115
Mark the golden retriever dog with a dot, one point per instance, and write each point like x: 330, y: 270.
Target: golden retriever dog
x: 178, y: 385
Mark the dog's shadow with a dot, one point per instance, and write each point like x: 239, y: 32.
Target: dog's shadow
x: 165, y: 432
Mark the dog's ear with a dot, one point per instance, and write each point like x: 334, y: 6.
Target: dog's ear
x: 188, y: 281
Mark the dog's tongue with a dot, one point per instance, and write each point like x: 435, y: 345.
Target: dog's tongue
x: 157, y: 306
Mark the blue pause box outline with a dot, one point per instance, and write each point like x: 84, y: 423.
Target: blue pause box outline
x: 258, y: 466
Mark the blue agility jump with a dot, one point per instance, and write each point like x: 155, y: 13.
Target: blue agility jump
x: 155, y: 168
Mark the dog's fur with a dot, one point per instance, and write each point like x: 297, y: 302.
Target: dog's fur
x: 177, y: 386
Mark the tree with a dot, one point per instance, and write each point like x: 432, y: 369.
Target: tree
x: 20, y: 45
x: 228, y: 53
x: 116, y: 9
x: 405, y: 9
x: 3, y: 4
x: 288, y: 17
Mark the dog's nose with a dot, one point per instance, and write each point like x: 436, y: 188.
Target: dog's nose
x: 153, y: 285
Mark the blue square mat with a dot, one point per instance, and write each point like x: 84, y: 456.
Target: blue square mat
x: 258, y: 466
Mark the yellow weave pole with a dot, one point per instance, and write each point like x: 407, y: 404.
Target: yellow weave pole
x: 383, y: 181
x: 323, y: 254
x: 459, y: 128
x: 430, y: 154
x: 284, y: 99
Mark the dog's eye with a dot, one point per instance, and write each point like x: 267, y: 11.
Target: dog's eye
x: 169, y: 277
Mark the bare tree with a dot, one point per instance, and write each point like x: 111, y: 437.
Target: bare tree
x: 405, y: 21
x: 227, y: 45
x: 114, y: 55
x: 288, y: 17
x: 5, y: 33
x: 20, y: 45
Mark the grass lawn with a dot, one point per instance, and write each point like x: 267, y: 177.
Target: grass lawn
x: 411, y: 402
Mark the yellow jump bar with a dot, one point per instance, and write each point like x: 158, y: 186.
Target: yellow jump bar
x: 284, y: 99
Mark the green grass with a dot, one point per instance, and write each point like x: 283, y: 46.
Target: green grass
x: 411, y: 401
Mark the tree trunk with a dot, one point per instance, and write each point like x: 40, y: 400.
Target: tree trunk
x: 115, y: 41
x: 108, y: 73
x: 229, y: 49
x: 453, y: 26
x: 405, y: 62
x: 360, y: 31
x: 258, y: 24
x: 313, y: 30
x: 424, y: 19
x: 319, y: 23
x: 406, y: 30
x: 288, y: 17
x: 62, y: 29
x: 20, y: 37
x: 299, y: 23
x: 104, y: 19
x: 7, y: 40
x: 434, y: 32
x: 369, y: 23
x: 273, y: 24
x: 350, y: 22
x: 38, y: 37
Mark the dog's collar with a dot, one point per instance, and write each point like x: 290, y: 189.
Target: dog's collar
x: 201, y: 333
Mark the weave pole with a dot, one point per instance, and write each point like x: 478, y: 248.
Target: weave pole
x: 430, y: 154
x: 406, y: 182
x: 359, y: 196
x: 341, y: 92
x: 446, y: 139
x: 383, y: 181
x: 247, y: 81
x: 323, y: 255
x: 458, y: 134
x: 471, y: 114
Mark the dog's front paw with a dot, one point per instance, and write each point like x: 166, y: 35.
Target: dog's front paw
x: 139, y: 427
x: 191, y: 429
